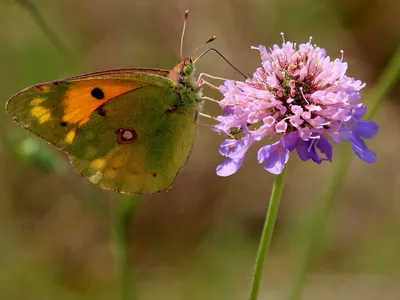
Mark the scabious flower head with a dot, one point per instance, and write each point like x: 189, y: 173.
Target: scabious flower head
x: 299, y: 99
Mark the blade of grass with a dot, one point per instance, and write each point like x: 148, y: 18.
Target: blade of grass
x: 120, y: 238
x: 46, y: 29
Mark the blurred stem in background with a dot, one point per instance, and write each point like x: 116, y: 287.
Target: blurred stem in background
x: 126, y: 204
x: 312, y: 237
x: 34, y: 152
x: 267, y: 232
x: 46, y: 29
x: 120, y: 233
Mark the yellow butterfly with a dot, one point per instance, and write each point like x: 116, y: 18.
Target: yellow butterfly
x: 126, y: 130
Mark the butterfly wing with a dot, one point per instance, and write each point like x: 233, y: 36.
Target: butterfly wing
x: 122, y: 129
x: 136, y: 149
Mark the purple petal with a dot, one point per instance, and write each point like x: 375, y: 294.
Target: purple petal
x: 361, y: 150
x: 276, y: 156
x: 308, y: 150
x: 229, y: 166
x: 360, y: 112
x: 224, y: 148
x: 290, y: 140
x: 325, y: 147
x: 366, y: 129
x: 236, y: 148
x: 343, y: 134
x: 302, y: 149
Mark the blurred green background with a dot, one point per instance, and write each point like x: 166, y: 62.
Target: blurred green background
x: 199, y: 240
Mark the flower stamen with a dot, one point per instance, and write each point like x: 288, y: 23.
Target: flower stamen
x: 304, y: 97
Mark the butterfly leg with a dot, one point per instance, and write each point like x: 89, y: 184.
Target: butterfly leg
x: 207, y: 116
x: 199, y: 80
x: 203, y: 83
x: 209, y: 99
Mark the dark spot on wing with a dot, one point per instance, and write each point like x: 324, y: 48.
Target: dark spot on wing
x: 126, y: 136
x: 63, y: 124
x: 101, y: 111
x: 97, y: 93
x: 154, y: 174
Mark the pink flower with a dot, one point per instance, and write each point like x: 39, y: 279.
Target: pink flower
x: 299, y: 97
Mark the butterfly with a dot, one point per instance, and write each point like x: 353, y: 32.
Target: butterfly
x: 126, y: 130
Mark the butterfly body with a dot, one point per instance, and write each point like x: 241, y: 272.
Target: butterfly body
x: 127, y: 130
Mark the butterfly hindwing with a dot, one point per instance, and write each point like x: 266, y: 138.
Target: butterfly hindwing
x: 138, y: 143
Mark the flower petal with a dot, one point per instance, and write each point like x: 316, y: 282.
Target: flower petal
x: 281, y: 126
x: 360, y: 112
x: 366, y: 129
x: 290, y: 140
x: 361, y: 150
x: 302, y: 149
x: 308, y: 149
x: 229, y: 166
x: 325, y: 147
x: 236, y: 148
x: 276, y: 157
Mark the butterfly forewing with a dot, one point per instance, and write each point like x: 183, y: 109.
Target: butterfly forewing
x: 55, y: 110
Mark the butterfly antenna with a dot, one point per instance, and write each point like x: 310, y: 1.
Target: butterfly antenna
x: 183, y: 31
x: 202, y: 45
x: 223, y: 57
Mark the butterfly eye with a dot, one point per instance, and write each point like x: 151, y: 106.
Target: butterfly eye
x: 188, y: 69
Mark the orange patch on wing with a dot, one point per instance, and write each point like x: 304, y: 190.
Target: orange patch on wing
x: 80, y: 102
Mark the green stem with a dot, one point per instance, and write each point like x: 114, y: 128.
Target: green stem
x: 317, y: 224
x: 120, y: 234
x: 266, y: 235
x: 45, y: 28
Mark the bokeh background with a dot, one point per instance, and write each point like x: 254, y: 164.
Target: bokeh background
x: 199, y: 240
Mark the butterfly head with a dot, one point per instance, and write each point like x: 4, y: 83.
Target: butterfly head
x: 183, y: 73
x: 187, y: 66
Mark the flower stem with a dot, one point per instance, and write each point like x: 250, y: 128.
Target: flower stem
x: 317, y: 224
x: 267, y: 232
x: 120, y: 235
